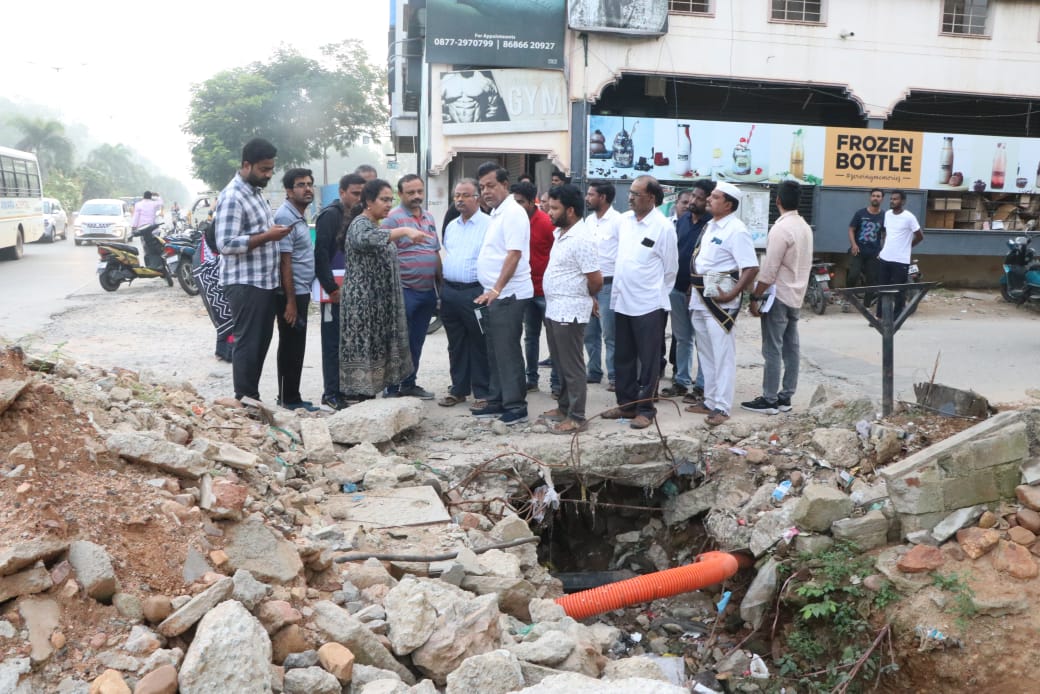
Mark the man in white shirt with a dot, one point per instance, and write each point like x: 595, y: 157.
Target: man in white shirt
x: 723, y: 267
x: 571, y: 281
x: 902, y: 232
x: 504, y: 272
x: 602, y: 223
x: 467, y: 348
x: 644, y: 272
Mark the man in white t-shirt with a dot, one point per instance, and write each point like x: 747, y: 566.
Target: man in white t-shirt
x: 902, y: 232
x: 504, y: 272
x: 602, y: 223
x: 725, y: 264
x: 644, y: 272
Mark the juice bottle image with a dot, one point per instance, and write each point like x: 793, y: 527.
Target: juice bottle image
x: 946, y: 161
x: 797, y: 167
x: 741, y: 158
x: 999, y: 168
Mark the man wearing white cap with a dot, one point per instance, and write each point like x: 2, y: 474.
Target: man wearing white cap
x: 724, y: 265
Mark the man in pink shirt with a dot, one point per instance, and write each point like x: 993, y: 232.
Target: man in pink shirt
x: 777, y: 297
x: 146, y: 210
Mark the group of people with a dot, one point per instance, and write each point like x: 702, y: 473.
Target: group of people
x: 602, y: 284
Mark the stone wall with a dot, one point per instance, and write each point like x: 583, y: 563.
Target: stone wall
x: 980, y: 465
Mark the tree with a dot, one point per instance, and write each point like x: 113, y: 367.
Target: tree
x: 46, y: 139
x: 301, y: 105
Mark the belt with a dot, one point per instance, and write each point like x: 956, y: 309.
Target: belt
x: 608, y: 280
x: 462, y: 285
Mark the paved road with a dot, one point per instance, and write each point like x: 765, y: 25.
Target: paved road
x: 981, y: 342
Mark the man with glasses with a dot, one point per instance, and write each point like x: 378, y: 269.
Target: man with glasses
x: 293, y: 298
x: 644, y: 272
x: 247, y: 238
x: 467, y: 348
x: 420, y: 263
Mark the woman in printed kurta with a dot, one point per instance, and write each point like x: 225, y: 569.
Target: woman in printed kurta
x: 373, y: 351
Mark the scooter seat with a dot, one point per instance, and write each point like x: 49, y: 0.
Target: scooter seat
x: 129, y: 248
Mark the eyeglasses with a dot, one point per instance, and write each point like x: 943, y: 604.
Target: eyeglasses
x: 463, y: 196
x: 303, y: 185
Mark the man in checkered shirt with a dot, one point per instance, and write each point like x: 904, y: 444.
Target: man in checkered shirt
x: 247, y: 239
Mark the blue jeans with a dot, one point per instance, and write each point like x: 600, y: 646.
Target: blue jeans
x: 419, y: 307
x: 598, y: 332
x: 682, y: 331
x: 534, y: 315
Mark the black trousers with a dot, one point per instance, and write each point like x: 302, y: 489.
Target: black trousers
x: 893, y: 273
x: 252, y: 311
x: 292, y: 344
x: 467, y: 348
x: 638, y: 346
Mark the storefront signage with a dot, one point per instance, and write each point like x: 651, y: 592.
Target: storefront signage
x: 633, y: 18
x: 622, y: 147
x: 502, y: 101
x: 862, y: 157
x: 496, y: 33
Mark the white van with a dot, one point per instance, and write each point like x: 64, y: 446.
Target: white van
x: 21, y: 202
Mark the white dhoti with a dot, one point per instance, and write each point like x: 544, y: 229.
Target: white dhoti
x: 718, y: 357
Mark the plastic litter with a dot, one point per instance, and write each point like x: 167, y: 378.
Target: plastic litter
x: 721, y: 606
x: 759, y: 671
x: 863, y: 428
x: 932, y: 639
x: 737, y: 451
x: 845, y: 478
x: 348, y: 487
x: 781, y: 490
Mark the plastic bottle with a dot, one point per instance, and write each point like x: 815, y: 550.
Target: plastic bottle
x: 999, y: 167
x: 946, y: 161
x: 798, y: 155
x: 681, y: 165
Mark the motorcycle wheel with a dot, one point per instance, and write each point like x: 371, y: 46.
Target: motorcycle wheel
x: 186, y: 279
x: 817, y: 300
x: 434, y: 326
x: 110, y: 279
x: 1005, y: 293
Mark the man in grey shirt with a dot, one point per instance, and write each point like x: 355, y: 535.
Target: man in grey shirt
x: 296, y: 266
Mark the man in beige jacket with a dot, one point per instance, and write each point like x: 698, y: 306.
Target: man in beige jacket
x: 776, y: 299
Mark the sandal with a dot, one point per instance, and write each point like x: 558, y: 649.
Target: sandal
x: 451, y: 400
x: 554, y: 415
x: 569, y: 426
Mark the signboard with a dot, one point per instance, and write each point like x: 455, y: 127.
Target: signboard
x: 502, y: 101
x: 621, y: 148
x: 626, y: 17
x: 865, y: 157
x: 496, y: 33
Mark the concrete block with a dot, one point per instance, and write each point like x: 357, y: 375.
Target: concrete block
x: 978, y: 488
x: 1031, y: 471
x: 866, y: 532
x: 1007, y: 477
x: 916, y: 490
x: 1011, y: 444
x: 908, y: 523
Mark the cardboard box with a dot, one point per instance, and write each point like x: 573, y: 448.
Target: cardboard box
x: 936, y: 219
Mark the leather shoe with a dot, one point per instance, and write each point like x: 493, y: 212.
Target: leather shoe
x: 640, y: 422
x: 618, y: 413
x: 699, y: 408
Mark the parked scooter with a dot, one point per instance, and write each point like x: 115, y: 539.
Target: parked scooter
x: 120, y: 261
x: 1021, y: 280
x: 818, y: 294
x: 181, y: 249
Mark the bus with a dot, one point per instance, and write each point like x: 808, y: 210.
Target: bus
x: 21, y: 202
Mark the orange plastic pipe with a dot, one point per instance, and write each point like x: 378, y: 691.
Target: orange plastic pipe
x: 709, y: 569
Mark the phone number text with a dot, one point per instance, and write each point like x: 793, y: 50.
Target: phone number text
x: 488, y: 43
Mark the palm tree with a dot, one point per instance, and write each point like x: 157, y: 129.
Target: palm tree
x: 46, y: 139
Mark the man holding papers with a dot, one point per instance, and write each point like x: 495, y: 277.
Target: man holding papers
x: 776, y: 299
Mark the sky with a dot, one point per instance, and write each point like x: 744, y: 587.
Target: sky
x: 125, y: 69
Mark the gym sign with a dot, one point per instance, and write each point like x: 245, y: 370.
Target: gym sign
x: 864, y: 157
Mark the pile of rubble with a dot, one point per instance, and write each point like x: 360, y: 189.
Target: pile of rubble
x: 151, y: 541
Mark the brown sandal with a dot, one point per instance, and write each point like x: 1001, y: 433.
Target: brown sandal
x: 569, y: 426
x: 451, y: 400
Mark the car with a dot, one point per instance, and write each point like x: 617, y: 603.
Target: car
x: 102, y: 219
x: 55, y: 221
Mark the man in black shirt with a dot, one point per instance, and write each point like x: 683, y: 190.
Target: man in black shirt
x: 865, y: 243
x: 328, y: 258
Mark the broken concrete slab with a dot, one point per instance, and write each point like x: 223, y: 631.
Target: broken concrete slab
x: 257, y: 549
x: 93, y: 567
x: 42, y: 617
x: 399, y: 507
x: 10, y: 390
x: 820, y: 506
x: 770, y: 527
x: 27, y: 582
x: 761, y: 594
x: 375, y: 421
x: 317, y: 440
x: 839, y: 447
x: 186, y: 617
x: 955, y: 521
x: 338, y: 625
x: 865, y: 532
x: 23, y: 554
x: 166, y: 456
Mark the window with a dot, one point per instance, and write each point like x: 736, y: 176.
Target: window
x: 965, y: 17
x: 805, y: 11
x: 690, y: 6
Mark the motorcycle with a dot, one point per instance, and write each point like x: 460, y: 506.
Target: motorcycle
x: 181, y: 248
x: 1021, y: 280
x: 120, y: 262
x: 818, y: 294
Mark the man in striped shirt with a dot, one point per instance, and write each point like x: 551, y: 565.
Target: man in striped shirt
x: 247, y: 239
x: 420, y: 275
